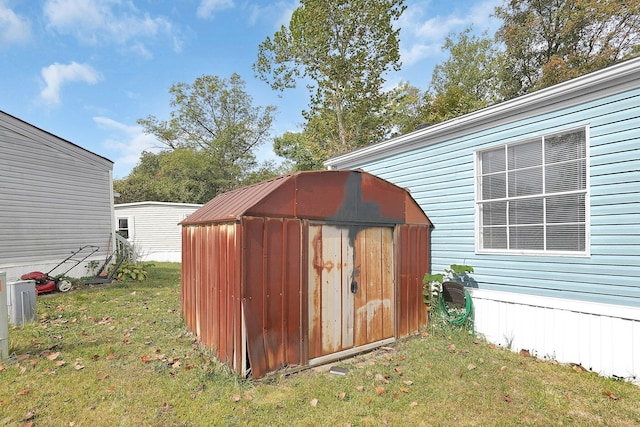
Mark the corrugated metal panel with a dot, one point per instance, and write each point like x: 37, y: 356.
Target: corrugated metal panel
x: 210, y: 292
x: 232, y: 205
x: 272, y: 293
x: 412, y: 250
x: 351, y: 298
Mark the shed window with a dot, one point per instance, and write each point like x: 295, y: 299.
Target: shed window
x: 532, y: 195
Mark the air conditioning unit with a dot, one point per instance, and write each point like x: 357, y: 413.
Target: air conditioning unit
x: 22, y: 302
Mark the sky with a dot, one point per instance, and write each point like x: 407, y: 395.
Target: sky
x: 87, y: 70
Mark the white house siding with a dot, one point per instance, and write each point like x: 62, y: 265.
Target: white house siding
x: 437, y: 165
x: 154, y: 228
x: 54, y: 197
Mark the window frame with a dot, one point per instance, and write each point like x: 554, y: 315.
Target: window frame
x: 129, y: 228
x: 478, y: 201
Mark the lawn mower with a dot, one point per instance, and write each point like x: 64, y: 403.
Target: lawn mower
x: 47, y: 282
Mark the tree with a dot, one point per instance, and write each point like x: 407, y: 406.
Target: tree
x: 210, y: 140
x: 468, y: 80
x: 341, y: 49
x: 407, y: 109
x: 550, y: 41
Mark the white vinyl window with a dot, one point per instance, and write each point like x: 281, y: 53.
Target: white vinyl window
x: 532, y: 195
x: 124, y: 227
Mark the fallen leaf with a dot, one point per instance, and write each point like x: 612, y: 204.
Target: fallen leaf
x: 367, y: 400
x: 429, y: 365
x: 29, y: 415
x: 360, y: 388
x: 236, y: 398
x: 314, y: 402
x: 23, y: 392
x: 610, y: 395
x: 342, y: 395
x: 507, y: 399
x: 407, y: 382
x: 578, y: 368
x: 111, y: 356
x: 404, y: 389
x: 78, y: 366
x: 451, y: 348
x: 29, y: 424
x: 395, y: 395
x: 525, y: 353
x: 60, y: 363
x: 471, y: 367
x: 53, y: 356
x: 459, y: 374
x: 103, y: 377
x: 414, y: 403
x: 248, y: 396
x: 145, y: 359
x: 380, y: 390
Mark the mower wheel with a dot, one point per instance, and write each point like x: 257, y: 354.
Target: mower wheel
x: 64, y: 286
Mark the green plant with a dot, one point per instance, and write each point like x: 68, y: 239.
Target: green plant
x: 92, y: 266
x: 133, y: 271
x: 441, y: 314
x: 433, y: 282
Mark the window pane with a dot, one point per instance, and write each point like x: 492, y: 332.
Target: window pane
x: 527, y: 211
x: 123, y: 223
x: 494, y: 237
x: 567, y: 208
x: 493, y: 161
x: 494, y: 186
x: 566, y: 237
x: 525, y: 155
x: 566, y: 177
x: 525, y: 182
x: 563, y: 147
x: 526, y: 237
x: 494, y: 213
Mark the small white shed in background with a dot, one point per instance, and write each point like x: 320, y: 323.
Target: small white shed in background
x: 152, y: 228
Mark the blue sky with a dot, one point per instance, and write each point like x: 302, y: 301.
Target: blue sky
x: 86, y: 70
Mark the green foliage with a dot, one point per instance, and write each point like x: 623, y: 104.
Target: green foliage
x: 468, y: 80
x: 550, y: 41
x: 433, y: 282
x: 211, y: 141
x: 342, y: 50
x: 133, y: 271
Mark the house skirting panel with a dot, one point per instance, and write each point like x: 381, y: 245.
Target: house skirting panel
x: 602, y: 338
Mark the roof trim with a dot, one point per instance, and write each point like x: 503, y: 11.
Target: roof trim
x: 614, y: 79
x: 147, y: 203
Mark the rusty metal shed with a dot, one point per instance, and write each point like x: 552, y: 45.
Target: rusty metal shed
x: 304, y: 269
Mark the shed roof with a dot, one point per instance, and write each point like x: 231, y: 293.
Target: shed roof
x: 329, y: 195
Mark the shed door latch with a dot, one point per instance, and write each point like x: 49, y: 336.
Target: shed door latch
x: 354, y: 287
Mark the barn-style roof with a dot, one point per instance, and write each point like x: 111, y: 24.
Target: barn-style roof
x: 330, y: 195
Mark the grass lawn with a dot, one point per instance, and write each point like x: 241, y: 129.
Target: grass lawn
x: 119, y: 355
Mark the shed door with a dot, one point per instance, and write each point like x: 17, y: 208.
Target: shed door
x: 350, y: 287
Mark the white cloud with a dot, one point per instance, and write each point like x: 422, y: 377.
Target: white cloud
x: 100, y: 21
x: 56, y: 75
x: 13, y: 28
x: 127, y: 143
x: 207, y: 7
x: 423, y: 33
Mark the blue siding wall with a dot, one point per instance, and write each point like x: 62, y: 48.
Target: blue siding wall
x: 440, y: 176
